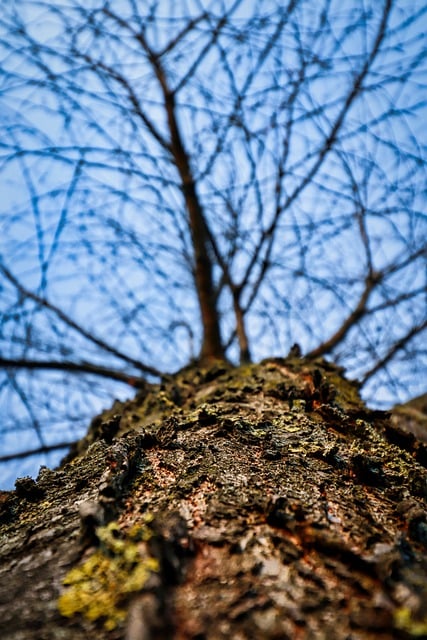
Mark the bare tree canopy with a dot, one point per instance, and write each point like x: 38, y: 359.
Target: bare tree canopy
x: 203, y: 180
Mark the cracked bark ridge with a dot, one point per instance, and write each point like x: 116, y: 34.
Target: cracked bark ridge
x: 259, y: 502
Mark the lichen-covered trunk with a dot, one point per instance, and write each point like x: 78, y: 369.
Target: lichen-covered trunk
x: 260, y: 502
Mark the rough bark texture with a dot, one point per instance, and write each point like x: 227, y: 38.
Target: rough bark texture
x: 260, y: 502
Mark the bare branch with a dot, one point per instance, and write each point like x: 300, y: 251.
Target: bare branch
x: 394, y: 350
x: 74, y: 367
x: 268, y: 237
x: 74, y: 325
x: 211, y: 345
x: 358, y: 312
x: 35, y: 452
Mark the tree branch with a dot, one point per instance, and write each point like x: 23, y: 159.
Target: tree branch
x: 34, y: 452
x: 74, y: 325
x: 212, y: 345
x: 268, y: 235
x: 358, y: 312
x: 75, y: 367
x: 397, y: 346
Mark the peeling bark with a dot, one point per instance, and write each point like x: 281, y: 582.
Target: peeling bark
x: 259, y: 502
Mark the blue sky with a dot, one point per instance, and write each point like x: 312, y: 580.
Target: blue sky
x: 92, y: 217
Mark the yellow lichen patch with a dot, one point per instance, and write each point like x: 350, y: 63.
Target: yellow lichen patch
x: 99, y: 587
x: 406, y: 622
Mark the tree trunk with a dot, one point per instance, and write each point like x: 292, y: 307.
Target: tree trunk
x: 259, y: 502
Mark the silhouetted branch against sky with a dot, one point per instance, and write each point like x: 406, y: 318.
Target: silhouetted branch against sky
x: 207, y: 179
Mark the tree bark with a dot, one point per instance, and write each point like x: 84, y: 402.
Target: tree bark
x: 260, y: 502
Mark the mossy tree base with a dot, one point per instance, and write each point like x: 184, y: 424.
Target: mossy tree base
x: 260, y: 502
